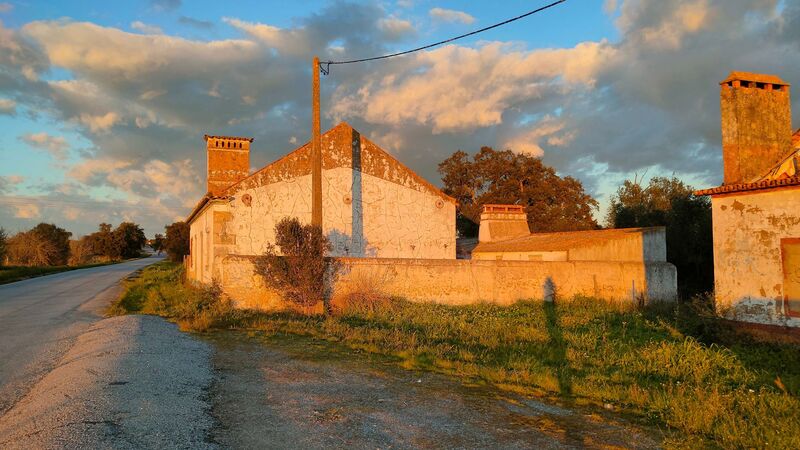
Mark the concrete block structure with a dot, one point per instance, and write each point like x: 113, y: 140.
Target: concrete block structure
x: 756, y: 211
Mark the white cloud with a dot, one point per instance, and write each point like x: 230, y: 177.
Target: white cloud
x: 450, y: 15
x: 6, y: 7
x: 395, y: 29
x: 57, y: 146
x: 145, y: 28
x: 9, y: 182
x: 100, y: 122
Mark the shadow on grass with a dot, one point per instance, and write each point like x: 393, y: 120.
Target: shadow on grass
x: 557, y: 350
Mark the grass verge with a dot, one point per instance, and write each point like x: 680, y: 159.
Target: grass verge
x: 667, y: 365
x: 10, y: 274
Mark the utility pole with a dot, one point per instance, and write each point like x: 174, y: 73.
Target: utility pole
x: 316, y: 151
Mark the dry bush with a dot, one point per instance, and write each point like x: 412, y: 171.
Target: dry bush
x: 79, y: 253
x: 29, y: 249
x: 297, y: 267
x: 364, y: 293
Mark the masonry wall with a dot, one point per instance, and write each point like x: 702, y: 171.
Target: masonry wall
x: 363, y: 216
x: 748, y: 272
x: 458, y: 282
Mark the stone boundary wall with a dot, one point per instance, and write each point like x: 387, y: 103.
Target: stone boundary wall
x: 460, y: 282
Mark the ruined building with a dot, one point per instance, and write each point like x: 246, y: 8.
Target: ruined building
x: 756, y: 211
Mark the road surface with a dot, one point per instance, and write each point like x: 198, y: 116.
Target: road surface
x: 41, y: 318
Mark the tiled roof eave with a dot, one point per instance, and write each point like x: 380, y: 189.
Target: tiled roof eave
x: 755, y: 186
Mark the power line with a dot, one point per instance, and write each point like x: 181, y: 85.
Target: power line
x: 326, y: 70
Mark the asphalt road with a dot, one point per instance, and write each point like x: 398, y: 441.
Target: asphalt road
x: 41, y: 318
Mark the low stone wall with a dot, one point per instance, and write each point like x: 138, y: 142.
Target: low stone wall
x: 459, y: 282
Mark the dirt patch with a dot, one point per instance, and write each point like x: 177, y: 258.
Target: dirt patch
x: 290, y: 391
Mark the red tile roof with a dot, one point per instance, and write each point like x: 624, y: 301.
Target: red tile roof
x: 754, y: 186
x: 560, y: 241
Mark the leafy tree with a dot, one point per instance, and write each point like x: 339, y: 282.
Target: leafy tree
x: 30, y: 249
x: 670, y: 202
x: 58, y: 237
x: 553, y: 203
x: 3, y: 245
x: 177, y: 241
x: 101, y: 242
x: 157, y: 243
x: 296, y: 265
x: 129, y: 239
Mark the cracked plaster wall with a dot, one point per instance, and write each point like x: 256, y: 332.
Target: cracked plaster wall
x: 748, y: 271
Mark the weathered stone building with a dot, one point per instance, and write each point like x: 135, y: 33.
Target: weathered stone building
x: 756, y: 211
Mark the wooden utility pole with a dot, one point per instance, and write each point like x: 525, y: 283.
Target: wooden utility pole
x: 316, y: 151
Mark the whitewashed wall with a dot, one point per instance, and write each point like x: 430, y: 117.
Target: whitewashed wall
x: 363, y: 215
x: 748, y: 272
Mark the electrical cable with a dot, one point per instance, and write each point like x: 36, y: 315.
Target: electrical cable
x: 327, y: 64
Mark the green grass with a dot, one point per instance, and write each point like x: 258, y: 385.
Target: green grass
x: 10, y: 274
x: 670, y: 366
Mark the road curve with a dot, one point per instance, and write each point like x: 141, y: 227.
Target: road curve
x: 40, y: 319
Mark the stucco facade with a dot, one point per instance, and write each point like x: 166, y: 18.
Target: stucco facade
x: 751, y: 233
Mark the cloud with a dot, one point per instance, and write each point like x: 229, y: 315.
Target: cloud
x: 9, y: 182
x: 30, y: 211
x: 450, y: 15
x: 6, y: 7
x: 165, y: 5
x: 101, y: 122
x: 395, y: 29
x: 196, y: 23
x: 145, y: 28
x: 57, y: 146
x: 8, y: 106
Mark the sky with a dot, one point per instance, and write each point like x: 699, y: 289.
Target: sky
x: 103, y: 105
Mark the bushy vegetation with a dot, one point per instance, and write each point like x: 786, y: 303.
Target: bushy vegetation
x: 177, y: 242
x: 160, y: 290
x: 10, y: 274
x: 126, y: 241
x: 671, y: 365
x: 3, y: 246
x: 297, y: 266
x: 43, y: 245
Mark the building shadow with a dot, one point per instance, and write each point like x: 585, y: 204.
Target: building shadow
x: 557, y: 346
x: 358, y: 243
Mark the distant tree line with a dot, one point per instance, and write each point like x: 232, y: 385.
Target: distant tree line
x: 47, y: 244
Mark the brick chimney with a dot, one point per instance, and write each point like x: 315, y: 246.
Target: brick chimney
x: 501, y: 222
x: 228, y: 161
x: 756, y: 125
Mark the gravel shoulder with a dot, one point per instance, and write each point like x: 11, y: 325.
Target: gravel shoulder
x: 128, y: 382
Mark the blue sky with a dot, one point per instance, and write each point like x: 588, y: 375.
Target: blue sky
x: 103, y: 104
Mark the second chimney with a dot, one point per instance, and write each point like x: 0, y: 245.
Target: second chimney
x: 756, y: 124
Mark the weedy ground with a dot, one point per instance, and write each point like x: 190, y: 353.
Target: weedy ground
x: 673, y: 366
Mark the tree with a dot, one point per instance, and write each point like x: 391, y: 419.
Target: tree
x: 30, y: 249
x: 58, y: 238
x: 670, y: 202
x: 101, y: 242
x: 157, y: 243
x: 129, y: 239
x: 177, y: 242
x: 553, y: 203
x: 296, y: 265
x: 3, y: 245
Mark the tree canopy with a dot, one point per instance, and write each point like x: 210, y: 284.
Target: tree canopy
x: 670, y: 202
x: 553, y: 203
x: 177, y: 241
